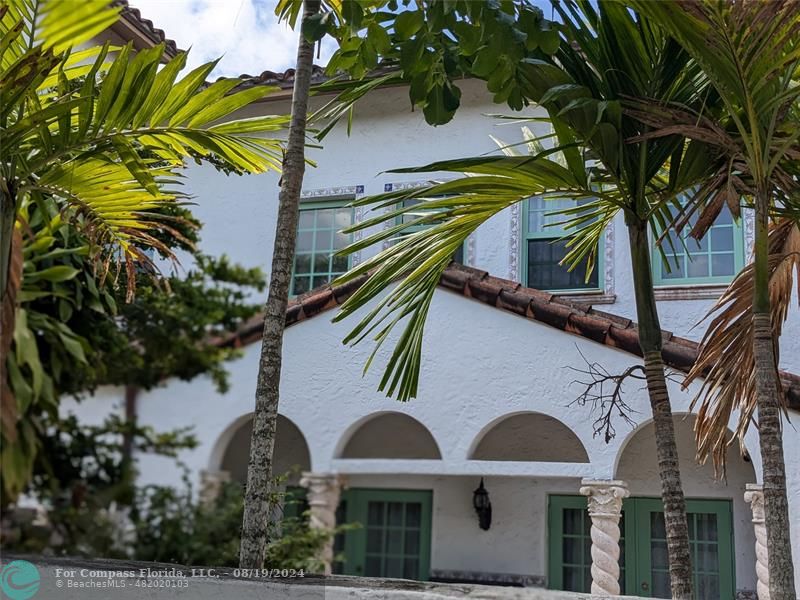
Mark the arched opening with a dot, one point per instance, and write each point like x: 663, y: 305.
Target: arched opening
x: 390, y: 435
x: 291, y: 451
x: 637, y: 462
x: 720, y: 528
x: 529, y: 436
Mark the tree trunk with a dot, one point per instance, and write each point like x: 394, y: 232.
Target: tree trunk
x: 131, y: 394
x: 13, y: 283
x: 650, y: 340
x: 8, y: 218
x: 770, y: 435
x: 259, y: 469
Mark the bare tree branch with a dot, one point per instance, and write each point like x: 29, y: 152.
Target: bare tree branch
x: 603, y: 392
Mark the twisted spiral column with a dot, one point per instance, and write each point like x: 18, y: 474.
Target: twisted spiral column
x: 754, y: 496
x: 605, y: 508
x: 323, y: 499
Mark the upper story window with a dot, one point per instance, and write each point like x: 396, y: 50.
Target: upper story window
x: 409, y: 217
x: 543, y: 249
x: 714, y: 259
x: 319, y: 236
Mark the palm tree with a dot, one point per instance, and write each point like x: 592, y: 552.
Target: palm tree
x: 751, y: 54
x: 607, y: 55
x: 105, y: 132
x: 262, y: 441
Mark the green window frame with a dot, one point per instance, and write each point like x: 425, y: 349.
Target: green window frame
x: 643, y: 569
x: 539, y: 230
x: 565, y: 559
x: 706, y: 262
x: 458, y: 255
x: 394, y: 539
x: 319, y: 236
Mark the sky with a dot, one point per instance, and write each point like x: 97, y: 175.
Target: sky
x: 245, y: 33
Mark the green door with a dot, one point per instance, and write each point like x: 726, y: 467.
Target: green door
x: 644, y: 568
x: 394, y: 537
x: 711, y: 540
x: 569, y: 545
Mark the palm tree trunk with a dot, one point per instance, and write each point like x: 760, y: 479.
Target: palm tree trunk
x: 8, y: 217
x: 13, y: 283
x: 259, y: 469
x: 650, y: 340
x: 770, y: 435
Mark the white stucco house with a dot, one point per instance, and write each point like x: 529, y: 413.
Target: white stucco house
x: 496, y: 399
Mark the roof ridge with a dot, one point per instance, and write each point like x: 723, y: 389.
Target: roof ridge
x: 572, y: 317
x: 145, y: 26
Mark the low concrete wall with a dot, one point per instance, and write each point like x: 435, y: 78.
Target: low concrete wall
x: 76, y: 579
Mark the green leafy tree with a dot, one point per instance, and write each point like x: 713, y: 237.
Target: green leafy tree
x: 75, y: 331
x: 94, y: 509
x: 751, y: 54
x: 428, y: 45
x: 102, y: 131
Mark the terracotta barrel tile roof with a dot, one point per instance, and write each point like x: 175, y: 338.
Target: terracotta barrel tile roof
x: 572, y: 317
x: 145, y: 27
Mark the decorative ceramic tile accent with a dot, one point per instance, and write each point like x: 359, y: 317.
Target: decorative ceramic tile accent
x: 487, y: 578
x: 351, y: 190
x: 749, y: 218
x: 608, y: 250
x: 470, y: 258
x: 513, y: 243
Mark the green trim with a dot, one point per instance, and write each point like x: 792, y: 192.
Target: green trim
x: 555, y: 234
x: 637, y: 535
x: 357, y: 501
x: 661, y: 270
x: 313, y: 274
x: 411, y: 229
x: 555, y: 538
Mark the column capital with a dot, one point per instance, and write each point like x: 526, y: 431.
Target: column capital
x: 754, y: 496
x: 604, y: 496
x: 319, y: 484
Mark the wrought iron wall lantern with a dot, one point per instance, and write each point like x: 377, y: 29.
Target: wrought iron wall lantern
x: 480, y: 500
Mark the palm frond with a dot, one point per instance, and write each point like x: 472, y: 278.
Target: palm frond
x: 111, y: 144
x: 750, y: 51
x: 452, y: 210
x: 50, y: 26
x: 726, y: 364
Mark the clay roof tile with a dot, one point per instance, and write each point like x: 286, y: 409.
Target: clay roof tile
x: 572, y: 317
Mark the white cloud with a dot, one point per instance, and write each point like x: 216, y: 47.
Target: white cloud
x: 245, y: 33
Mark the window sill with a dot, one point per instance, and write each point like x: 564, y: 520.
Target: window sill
x: 587, y: 297
x: 710, y: 291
